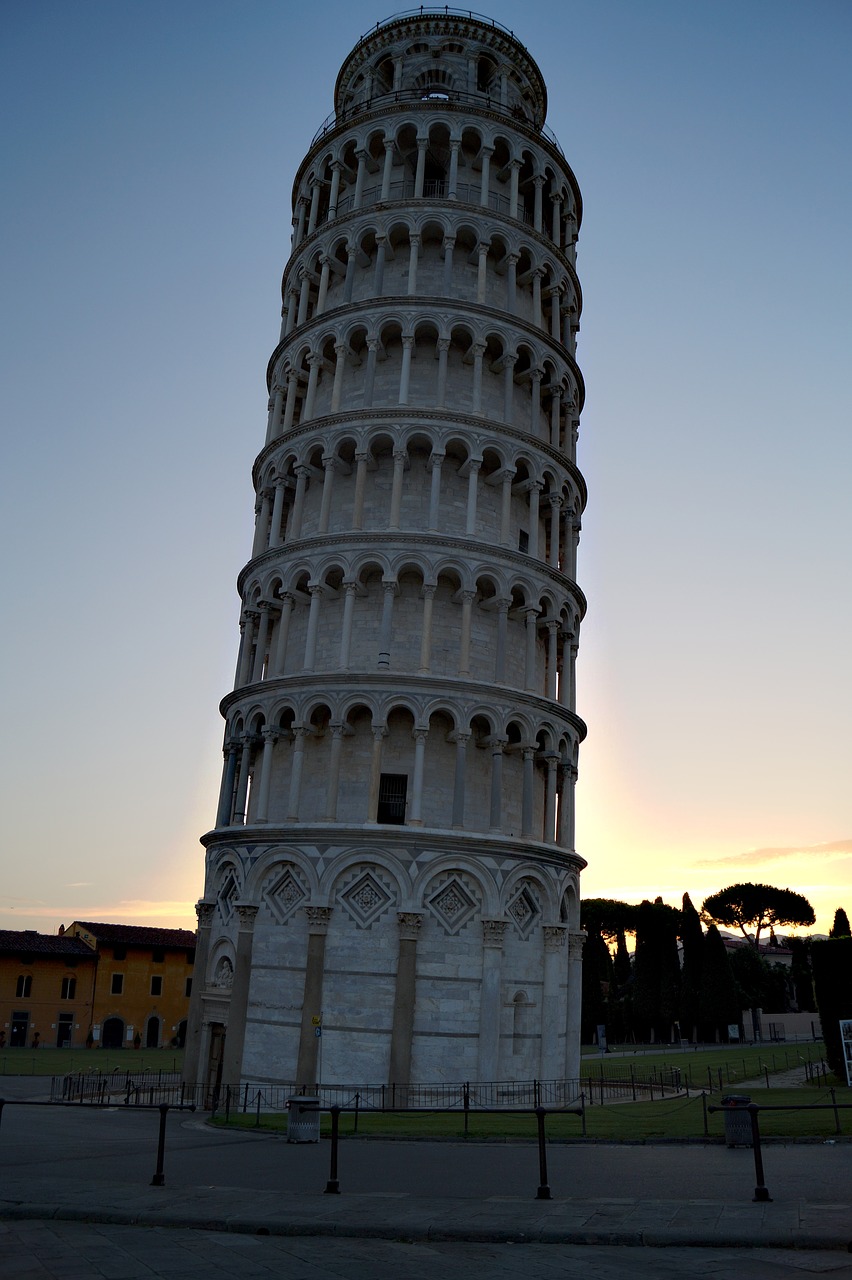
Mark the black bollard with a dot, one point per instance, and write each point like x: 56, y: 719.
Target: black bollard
x: 159, y: 1179
x: 332, y: 1187
x: 760, y: 1191
x: 543, y: 1192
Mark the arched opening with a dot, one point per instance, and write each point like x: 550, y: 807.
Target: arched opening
x: 112, y: 1033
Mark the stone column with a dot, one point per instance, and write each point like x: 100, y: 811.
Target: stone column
x: 275, y: 405
x: 530, y: 616
x: 386, y: 628
x: 302, y: 473
x: 192, y: 1073
x: 509, y: 363
x: 527, y: 798
x: 402, y: 1028
x: 443, y: 348
x: 575, y: 1001
x: 428, y: 593
x: 400, y: 457
x: 229, y: 778
x: 275, y: 538
x: 419, y: 735
x: 420, y: 173
x: 304, y: 294
x: 481, y: 270
x: 449, y: 246
x: 503, y: 606
x: 306, y: 1066
x: 232, y: 1062
x: 434, y: 465
x: 248, y: 625
x: 552, y: 761
x: 329, y: 463
x: 296, y: 765
x: 370, y: 371
x: 242, y: 783
x: 490, y: 1003
x: 472, y: 485
x: 339, y: 368
x: 452, y: 182
x: 413, y: 256
x: 515, y: 168
x: 350, y: 589
x: 261, y: 526
x: 478, y: 350
x: 349, y: 278
x: 337, y: 733
x: 405, y: 371
x: 555, y: 507
x: 260, y: 648
x: 536, y: 376
x: 292, y: 302
x: 512, y: 284
x: 270, y: 737
x: 280, y: 661
x: 506, y: 477
x: 314, y: 209
x: 325, y: 263
x: 290, y: 404
x: 359, y: 179
x: 379, y: 732
x: 555, y: 416
x: 556, y: 222
x: 553, y: 1010
x: 361, y: 460
x: 486, y: 153
x: 538, y: 182
x: 462, y: 740
x: 315, y: 362
x: 379, y: 276
x: 467, y: 599
x: 495, y: 820
x: 386, y: 171
x: 535, y: 495
x: 552, y: 658
x: 565, y: 826
x: 334, y: 195
x: 316, y: 590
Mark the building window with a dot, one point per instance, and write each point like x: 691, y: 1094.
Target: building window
x: 117, y: 984
x: 158, y: 955
x: 156, y: 986
x: 24, y: 987
x: 523, y: 540
x: 188, y: 989
x: 69, y: 988
x: 392, y: 788
x: 119, y: 953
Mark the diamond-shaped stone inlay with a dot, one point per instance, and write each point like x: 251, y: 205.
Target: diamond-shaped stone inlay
x: 524, y: 910
x: 452, y: 905
x: 228, y: 896
x: 284, y: 894
x: 366, y: 899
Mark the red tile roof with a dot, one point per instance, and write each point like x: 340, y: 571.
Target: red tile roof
x: 19, y: 941
x: 136, y: 935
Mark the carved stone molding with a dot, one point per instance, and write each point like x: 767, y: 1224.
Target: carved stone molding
x: 409, y: 924
x: 318, y: 919
x: 493, y: 932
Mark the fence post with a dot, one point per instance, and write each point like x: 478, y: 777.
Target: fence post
x: 760, y: 1191
x: 257, y: 1117
x: 836, y: 1112
x: 633, y: 1081
x: 332, y: 1187
x: 543, y: 1192
x: 583, y: 1112
x: 704, y: 1106
x: 467, y: 1106
x: 159, y: 1179
x: 766, y: 1073
x: 227, y: 1104
x: 357, y: 1104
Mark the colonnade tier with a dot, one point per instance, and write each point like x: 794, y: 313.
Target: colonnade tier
x: 457, y: 440
x: 447, y: 253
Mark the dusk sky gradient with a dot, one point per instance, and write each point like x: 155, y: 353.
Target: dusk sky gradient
x: 149, y: 151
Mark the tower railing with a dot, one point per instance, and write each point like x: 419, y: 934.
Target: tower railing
x: 458, y: 97
x: 439, y: 11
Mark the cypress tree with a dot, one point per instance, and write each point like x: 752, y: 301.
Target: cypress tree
x: 692, y: 938
x: 719, y: 1005
x: 840, y: 928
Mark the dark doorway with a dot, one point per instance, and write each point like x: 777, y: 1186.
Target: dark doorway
x: 152, y: 1034
x: 215, y: 1062
x: 392, y: 789
x: 113, y: 1034
x: 18, y: 1030
x: 64, y: 1030
x: 180, y: 1034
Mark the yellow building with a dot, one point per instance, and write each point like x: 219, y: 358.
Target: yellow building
x: 142, y: 984
x: 47, y: 986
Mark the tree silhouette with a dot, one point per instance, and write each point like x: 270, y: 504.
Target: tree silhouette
x: 758, y: 905
x: 840, y: 928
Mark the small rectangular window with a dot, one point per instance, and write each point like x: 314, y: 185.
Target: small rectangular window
x: 119, y: 953
x: 69, y: 988
x: 156, y: 986
x: 392, y: 789
x: 24, y: 987
x: 188, y: 989
x: 158, y: 955
x: 523, y: 540
x: 117, y: 984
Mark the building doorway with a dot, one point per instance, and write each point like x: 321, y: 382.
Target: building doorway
x: 18, y: 1030
x: 152, y: 1033
x: 64, y: 1030
x: 113, y: 1034
x: 215, y: 1062
x: 180, y: 1034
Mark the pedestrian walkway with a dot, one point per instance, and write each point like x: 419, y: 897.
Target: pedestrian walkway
x: 798, y: 1223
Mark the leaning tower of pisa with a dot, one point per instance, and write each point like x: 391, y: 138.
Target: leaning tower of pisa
x: 392, y: 889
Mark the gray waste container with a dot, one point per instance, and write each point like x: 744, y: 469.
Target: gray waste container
x: 303, y: 1119
x: 737, y: 1120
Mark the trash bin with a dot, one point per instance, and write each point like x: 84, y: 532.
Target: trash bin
x: 737, y: 1120
x: 303, y: 1119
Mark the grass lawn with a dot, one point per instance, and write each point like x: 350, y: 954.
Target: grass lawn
x: 61, y: 1062
x: 670, y: 1118
x: 713, y: 1068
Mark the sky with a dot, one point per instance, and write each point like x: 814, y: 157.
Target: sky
x: 148, y: 151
